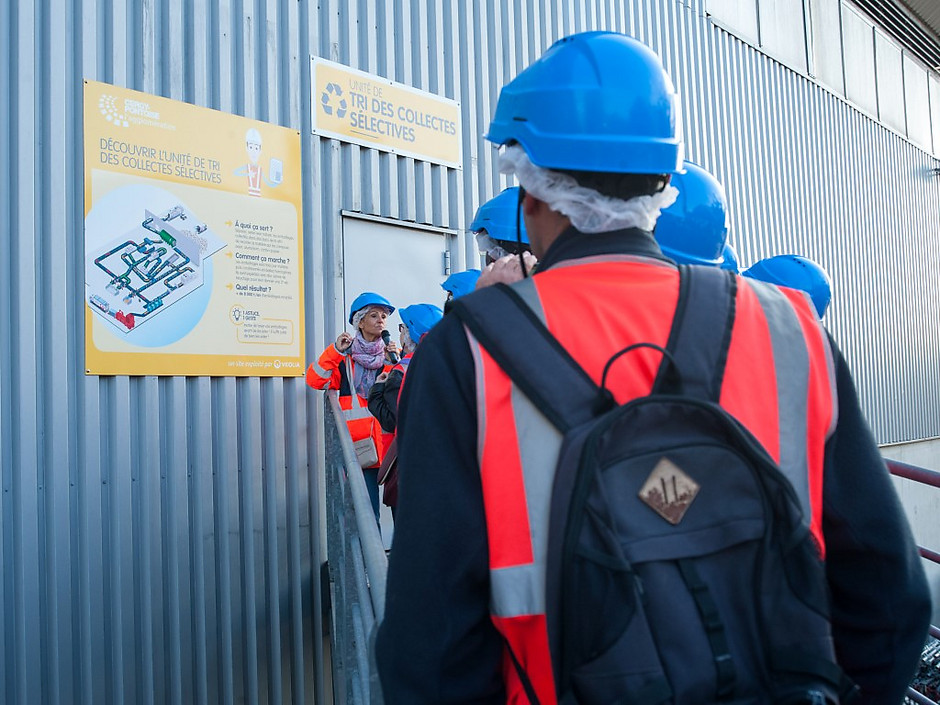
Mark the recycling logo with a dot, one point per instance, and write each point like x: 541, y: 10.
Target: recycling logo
x: 333, y: 97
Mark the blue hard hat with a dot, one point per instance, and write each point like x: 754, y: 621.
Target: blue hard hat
x: 795, y: 272
x: 729, y: 259
x: 595, y: 101
x: 694, y: 229
x: 420, y: 318
x: 368, y: 298
x: 461, y: 283
x: 498, y: 217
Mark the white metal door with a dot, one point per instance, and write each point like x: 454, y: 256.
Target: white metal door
x: 404, y: 264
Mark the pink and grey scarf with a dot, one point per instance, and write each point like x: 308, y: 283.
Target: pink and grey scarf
x: 369, y: 359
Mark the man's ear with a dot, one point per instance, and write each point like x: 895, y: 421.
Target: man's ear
x: 530, y: 204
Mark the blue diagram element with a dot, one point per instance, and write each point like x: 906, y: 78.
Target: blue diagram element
x: 333, y: 90
x: 187, y: 313
x: 143, y: 274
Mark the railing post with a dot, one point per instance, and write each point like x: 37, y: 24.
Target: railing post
x: 928, y: 661
x: 358, y: 565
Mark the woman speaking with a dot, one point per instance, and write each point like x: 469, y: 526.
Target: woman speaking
x: 351, y: 365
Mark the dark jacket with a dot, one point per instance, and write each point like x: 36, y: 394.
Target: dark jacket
x: 383, y: 400
x: 437, y: 643
x: 383, y: 405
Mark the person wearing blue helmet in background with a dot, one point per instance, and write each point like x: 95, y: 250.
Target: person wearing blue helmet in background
x: 502, y: 239
x: 417, y: 320
x: 495, y: 226
x: 474, y: 585
x: 694, y: 229
x: 729, y: 258
x: 351, y: 365
x: 795, y: 272
x: 460, y: 284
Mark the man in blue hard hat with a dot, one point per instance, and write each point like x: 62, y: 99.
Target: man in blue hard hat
x: 729, y: 258
x: 590, y: 132
x: 502, y: 239
x: 460, y: 283
x: 417, y: 321
x: 499, y: 229
x: 795, y: 272
x: 694, y: 229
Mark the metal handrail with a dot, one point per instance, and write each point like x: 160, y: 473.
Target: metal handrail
x: 932, y: 479
x: 373, y: 550
x: 912, y: 472
x: 358, y: 566
x: 364, y: 565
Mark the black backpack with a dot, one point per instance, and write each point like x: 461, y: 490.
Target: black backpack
x: 681, y: 569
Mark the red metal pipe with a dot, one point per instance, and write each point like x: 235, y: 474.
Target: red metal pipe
x: 912, y: 472
x: 928, y: 554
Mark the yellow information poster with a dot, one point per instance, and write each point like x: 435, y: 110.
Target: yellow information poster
x: 193, y: 253
x: 359, y: 107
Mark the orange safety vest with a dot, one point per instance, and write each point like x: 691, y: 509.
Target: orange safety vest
x: 779, y: 383
x: 334, y: 370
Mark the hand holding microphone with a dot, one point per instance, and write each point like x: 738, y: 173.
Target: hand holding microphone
x: 387, y: 339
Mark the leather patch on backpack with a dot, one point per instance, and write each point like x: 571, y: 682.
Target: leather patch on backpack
x: 669, y: 491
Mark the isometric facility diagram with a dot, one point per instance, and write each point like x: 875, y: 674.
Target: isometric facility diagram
x: 156, y: 264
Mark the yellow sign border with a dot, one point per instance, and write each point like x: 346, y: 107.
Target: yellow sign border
x: 153, y: 361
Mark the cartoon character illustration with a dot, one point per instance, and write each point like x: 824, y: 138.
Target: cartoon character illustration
x: 253, y: 169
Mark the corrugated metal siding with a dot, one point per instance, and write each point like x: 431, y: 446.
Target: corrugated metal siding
x: 160, y: 537
x: 159, y: 542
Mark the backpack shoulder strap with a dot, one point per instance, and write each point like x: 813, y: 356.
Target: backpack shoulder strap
x: 701, y: 331
x: 519, y: 342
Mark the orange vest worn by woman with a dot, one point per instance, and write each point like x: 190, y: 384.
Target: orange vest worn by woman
x: 332, y: 370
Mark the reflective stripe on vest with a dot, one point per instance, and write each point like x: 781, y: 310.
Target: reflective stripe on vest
x: 516, y: 494
x: 794, y: 432
x: 319, y: 371
x: 822, y: 402
x: 518, y: 448
x: 791, y: 369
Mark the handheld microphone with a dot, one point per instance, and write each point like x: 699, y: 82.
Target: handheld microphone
x: 386, y: 338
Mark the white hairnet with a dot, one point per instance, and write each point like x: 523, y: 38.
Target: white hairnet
x: 588, y: 210
x: 488, y: 246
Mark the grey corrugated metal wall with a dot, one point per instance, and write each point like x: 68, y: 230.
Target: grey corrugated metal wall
x: 159, y: 538
x: 159, y: 542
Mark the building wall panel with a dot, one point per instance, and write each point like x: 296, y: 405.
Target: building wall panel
x: 858, y: 54
x: 918, y: 103
x: 826, y: 40
x: 160, y: 537
x: 889, y: 76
